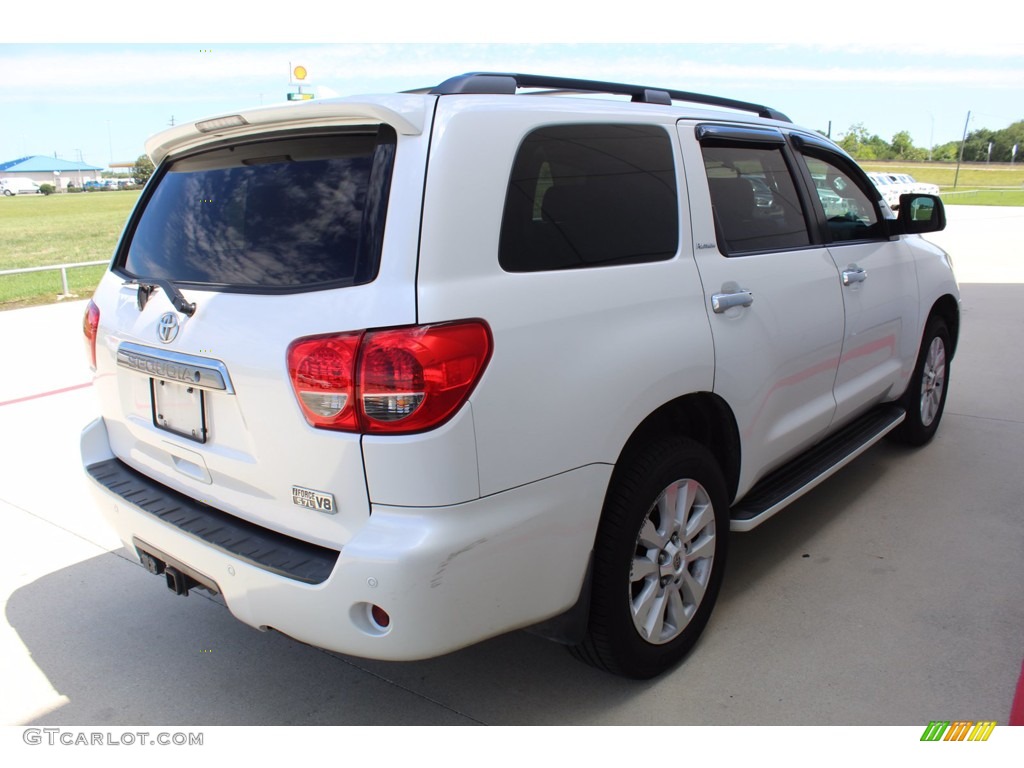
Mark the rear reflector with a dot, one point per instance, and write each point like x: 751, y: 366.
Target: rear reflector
x: 380, y: 617
x: 394, y: 381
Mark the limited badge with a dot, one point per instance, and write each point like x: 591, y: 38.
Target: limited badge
x: 316, y: 500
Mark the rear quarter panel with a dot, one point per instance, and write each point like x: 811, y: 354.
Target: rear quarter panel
x: 581, y: 356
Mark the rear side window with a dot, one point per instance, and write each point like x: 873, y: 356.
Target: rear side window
x: 286, y: 215
x: 754, y: 199
x: 588, y: 196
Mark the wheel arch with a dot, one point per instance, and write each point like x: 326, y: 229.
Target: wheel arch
x: 701, y: 416
x: 642, y: 621
x: 948, y: 308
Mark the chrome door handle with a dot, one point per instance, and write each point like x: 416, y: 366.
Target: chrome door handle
x: 853, y: 275
x: 723, y: 301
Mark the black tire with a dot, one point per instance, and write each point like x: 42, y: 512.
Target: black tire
x: 925, y: 398
x: 636, y: 556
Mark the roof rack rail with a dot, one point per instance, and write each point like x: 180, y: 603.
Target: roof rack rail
x: 508, y: 83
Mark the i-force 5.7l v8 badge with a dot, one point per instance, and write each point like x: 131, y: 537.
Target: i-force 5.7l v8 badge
x: 318, y: 500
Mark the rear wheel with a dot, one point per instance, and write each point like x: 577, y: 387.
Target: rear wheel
x: 658, y: 560
x: 925, y: 398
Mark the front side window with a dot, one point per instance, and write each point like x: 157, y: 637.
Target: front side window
x: 588, y: 196
x: 283, y: 215
x: 849, y: 211
x: 754, y: 198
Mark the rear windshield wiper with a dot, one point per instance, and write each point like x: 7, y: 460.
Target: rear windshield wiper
x: 149, y: 284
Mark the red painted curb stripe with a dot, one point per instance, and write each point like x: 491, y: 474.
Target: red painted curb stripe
x: 1017, y: 709
x: 45, y: 394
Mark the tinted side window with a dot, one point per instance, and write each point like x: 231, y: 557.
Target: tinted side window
x: 284, y: 215
x: 590, y: 195
x: 849, y: 211
x: 754, y: 199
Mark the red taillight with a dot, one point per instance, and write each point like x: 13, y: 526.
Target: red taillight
x: 90, y: 326
x: 412, y: 379
x: 400, y: 380
x: 322, y: 371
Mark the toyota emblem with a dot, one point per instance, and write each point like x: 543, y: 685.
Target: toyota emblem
x: 167, y: 328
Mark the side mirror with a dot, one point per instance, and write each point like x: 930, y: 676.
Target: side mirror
x: 919, y: 214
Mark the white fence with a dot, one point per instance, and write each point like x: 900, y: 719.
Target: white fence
x: 63, y: 271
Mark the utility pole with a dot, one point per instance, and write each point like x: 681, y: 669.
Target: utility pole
x: 931, y: 138
x: 963, y: 141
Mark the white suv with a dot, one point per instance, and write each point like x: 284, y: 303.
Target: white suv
x: 395, y: 374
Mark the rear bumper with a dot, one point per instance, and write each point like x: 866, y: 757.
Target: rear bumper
x: 447, y: 576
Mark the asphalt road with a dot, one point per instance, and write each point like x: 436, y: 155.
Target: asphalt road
x: 890, y: 595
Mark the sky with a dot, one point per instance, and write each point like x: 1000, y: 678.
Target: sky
x: 93, y: 87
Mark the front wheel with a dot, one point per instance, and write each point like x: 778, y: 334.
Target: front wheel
x: 925, y: 397
x: 658, y: 559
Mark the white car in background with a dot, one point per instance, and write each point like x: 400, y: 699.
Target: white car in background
x: 12, y: 187
x: 918, y: 186
x: 889, y: 187
x: 892, y: 185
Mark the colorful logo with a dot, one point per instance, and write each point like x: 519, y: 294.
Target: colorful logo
x: 958, y: 730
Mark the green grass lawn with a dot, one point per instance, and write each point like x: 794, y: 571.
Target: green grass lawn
x: 45, y: 287
x: 972, y: 175
x: 983, y: 196
x: 977, y: 183
x: 39, y: 231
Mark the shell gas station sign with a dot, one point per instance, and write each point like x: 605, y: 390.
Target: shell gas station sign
x: 298, y: 78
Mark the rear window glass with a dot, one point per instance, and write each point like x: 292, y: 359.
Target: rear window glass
x: 588, y: 196
x: 291, y: 214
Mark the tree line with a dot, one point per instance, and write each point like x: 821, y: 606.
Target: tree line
x: 863, y: 145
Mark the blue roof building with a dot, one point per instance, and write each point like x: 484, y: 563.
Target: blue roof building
x: 49, y: 170
x: 43, y: 164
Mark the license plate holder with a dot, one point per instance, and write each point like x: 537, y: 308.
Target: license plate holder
x: 179, y: 409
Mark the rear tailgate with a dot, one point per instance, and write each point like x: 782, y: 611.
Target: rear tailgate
x: 271, y: 240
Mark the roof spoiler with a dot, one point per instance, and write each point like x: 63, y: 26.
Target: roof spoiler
x: 405, y: 113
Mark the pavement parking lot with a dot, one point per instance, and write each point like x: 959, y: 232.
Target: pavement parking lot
x: 890, y: 595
